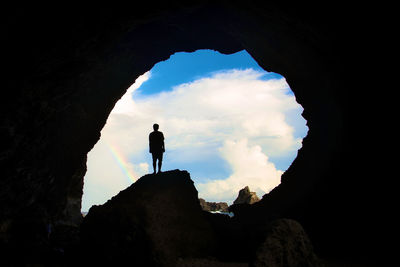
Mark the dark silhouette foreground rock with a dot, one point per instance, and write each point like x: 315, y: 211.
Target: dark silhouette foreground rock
x: 155, y: 221
x: 158, y: 221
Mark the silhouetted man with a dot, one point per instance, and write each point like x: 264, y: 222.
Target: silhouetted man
x: 157, y: 148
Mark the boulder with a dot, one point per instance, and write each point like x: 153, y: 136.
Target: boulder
x: 286, y: 244
x: 155, y: 221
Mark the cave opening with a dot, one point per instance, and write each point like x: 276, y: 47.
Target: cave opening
x: 65, y: 72
x: 226, y: 120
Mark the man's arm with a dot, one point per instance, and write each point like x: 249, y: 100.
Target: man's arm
x: 163, y: 145
x: 150, y: 143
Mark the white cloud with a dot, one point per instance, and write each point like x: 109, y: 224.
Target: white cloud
x: 234, y: 114
x: 124, y: 105
x: 250, y: 168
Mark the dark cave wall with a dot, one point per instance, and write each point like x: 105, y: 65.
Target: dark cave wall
x: 67, y: 67
x: 74, y: 72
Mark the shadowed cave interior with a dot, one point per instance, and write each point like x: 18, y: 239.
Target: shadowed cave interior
x: 78, y: 63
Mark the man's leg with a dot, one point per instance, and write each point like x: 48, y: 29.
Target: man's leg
x: 160, y: 162
x: 154, y: 162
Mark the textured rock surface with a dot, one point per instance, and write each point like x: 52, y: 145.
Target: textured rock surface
x: 246, y: 197
x: 286, y: 244
x: 156, y: 220
x: 213, y: 206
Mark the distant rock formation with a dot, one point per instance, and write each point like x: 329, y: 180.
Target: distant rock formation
x: 213, y: 206
x: 246, y: 197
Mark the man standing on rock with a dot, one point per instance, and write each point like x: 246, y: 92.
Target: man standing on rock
x: 157, y: 148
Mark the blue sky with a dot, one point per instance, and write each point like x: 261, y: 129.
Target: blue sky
x: 226, y: 120
x: 186, y: 67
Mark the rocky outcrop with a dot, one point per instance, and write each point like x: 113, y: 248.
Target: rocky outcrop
x: 246, y: 197
x: 158, y: 221
x: 213, y: 206
x: 155, y: 221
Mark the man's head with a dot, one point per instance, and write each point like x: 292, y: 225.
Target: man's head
x: 155, y: 127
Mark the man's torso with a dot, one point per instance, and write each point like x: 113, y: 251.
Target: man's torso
x: 156, y: 142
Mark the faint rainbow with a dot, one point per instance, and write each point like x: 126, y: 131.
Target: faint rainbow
x: 121, y: 161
